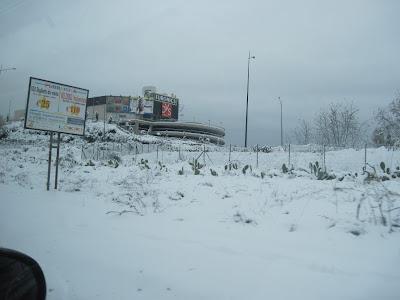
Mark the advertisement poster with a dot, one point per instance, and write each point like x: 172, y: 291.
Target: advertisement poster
x: 166, y: 110
x: 140, y: 106
x: 55, y: 107
x: 148, y: 107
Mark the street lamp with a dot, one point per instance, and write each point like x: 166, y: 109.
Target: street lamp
x: 247, y: 98
x: 280, y: 101
x: 6, y: 69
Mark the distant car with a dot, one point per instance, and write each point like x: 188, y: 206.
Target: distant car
x: 21, y: 277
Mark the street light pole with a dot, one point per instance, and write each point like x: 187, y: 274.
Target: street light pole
x: 280, y: 101
x: 247, y: 97
x: 6, y: 69
x: 9, y: 111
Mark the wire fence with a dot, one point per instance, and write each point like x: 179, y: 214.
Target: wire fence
x: 293, y: 156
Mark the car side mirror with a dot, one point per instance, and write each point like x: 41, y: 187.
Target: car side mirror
x: 21, y: 277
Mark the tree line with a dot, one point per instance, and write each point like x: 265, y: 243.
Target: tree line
x: 339, y: 125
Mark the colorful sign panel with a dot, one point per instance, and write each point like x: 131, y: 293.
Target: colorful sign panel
x: 166, y: 110
x: 142, y: 106
x: 55, y: 107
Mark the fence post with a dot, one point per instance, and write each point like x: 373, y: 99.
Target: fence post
x: 289, y: 157
x: 157, y: 152
x: 230, y: 150
x: 324, y: 159
x: 204, y: 154
x: 365, y: 156
x: 257, y: 156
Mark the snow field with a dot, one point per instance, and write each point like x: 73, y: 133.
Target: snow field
x: 137, y: 229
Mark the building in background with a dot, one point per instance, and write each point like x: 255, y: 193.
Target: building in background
x: 149, y: 106
x: 105, y: 107
x: 153, y: 113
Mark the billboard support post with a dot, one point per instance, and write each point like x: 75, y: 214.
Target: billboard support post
x: 49, y: 166
x: 57, y: 159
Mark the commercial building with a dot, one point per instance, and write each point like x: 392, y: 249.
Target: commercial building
x: 153, y: 113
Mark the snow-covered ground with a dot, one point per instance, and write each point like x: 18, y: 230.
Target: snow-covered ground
x: 131, y: 226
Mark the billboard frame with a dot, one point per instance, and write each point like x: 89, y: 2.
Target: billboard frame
x: 54, y: 131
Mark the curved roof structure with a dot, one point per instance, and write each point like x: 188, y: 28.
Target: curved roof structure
x: 190, y: 130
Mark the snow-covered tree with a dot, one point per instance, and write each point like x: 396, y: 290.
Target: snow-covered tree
x: 338, y: 125
x: 388, y: 130
x: 303, y: 132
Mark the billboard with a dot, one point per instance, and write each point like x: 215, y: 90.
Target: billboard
x: 55, y: 107
x: 166, y: 110
x: 142, y: 106
x: 148, y: 107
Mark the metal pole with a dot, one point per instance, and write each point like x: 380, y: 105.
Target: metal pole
x: 57, y: 159
x: 257, y: 155
x: 365, y: 157
x: 204, y: 154
x: 9, y: 110
x: 230, y: 149
x: 104, y: 121
x: 280, y: 101
x: 281, y: 124
x: 247, y: 97
x: 49, y: 166
x: 289, y: 156
x: 324, y: 160
x: 157, y: 152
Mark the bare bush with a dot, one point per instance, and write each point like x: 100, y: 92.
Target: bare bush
x: 388, y: 130
x: 303, y: 132
x: 338, y: 125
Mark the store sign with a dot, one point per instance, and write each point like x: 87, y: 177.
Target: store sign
x: 163, y: 98
x: 55, y: 107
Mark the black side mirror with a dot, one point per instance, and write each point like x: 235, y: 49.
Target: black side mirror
x: 21, y: 277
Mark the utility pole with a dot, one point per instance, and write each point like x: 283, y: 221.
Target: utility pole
x: 247, y: 97
x: 280, y: 101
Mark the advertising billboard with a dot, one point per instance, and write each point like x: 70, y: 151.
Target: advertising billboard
x: 142, y: 106
x: 148, y: 107
x: 55, y: 107
x: 166, y: 110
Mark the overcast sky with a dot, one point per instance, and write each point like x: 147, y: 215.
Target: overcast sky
x: 309, y: 53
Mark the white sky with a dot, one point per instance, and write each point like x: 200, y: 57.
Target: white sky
x: 309, y: 53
